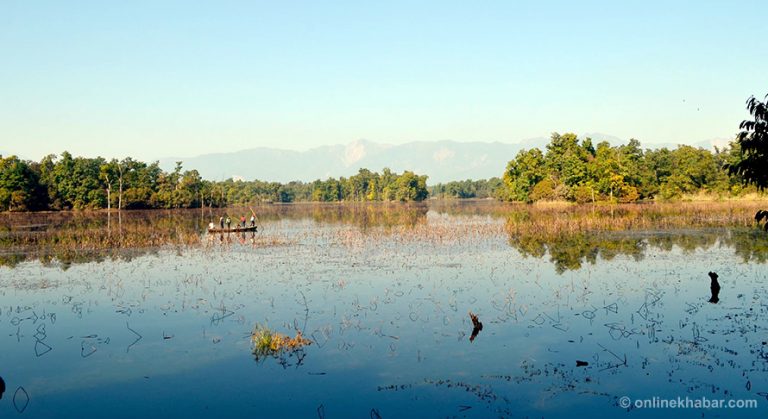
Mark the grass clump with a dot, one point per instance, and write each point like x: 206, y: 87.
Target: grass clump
x: 268, y: 343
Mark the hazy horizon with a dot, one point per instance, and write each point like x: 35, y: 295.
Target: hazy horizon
x: 5, y: 152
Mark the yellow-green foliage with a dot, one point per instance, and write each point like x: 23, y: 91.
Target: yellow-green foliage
x: 267, y: 342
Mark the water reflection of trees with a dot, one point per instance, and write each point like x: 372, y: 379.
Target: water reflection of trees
x: 570, y: 251
x: 370, y: 216
x: 363, y: 215
x: 570, y: 235
x: 75, y: 237
x: 573, y: 235
x: 751, y: 245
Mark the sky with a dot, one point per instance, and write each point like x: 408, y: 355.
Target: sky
x: 152, y: 79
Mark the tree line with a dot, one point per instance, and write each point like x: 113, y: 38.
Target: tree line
x: 467, y: 189
x: 577, y: 170
x: 66, y: 182
x: 569, y: 168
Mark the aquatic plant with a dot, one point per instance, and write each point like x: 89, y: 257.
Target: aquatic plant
x: 64, y: 238
x: 268, y: 343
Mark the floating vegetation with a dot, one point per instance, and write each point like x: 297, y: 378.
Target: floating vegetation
x: 268, y: 343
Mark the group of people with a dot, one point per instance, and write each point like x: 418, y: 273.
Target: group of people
x: 228, y: 221
x: 225, y: 220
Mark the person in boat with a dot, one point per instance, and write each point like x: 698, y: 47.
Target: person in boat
x: 221, y: 221
x: 253, y: 221
x: 229, y: 222
x: 242, y: 221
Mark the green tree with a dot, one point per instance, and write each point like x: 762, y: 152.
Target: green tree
x: 752, y: 165
x: 631, y: 159
x: 18, y: 185
x: 362, y: 186
x: 657, y: 167
x: 727, y: 156
x: 74, y: 182
x: 523, y: 173
x: 141, y: 181
x: 386, y: 183
x: 692, y: 170
x: 753, y: 146
x: 546, y: 190
x: 566, y: 160
x: 48, y: 180
x: 329, y: 190
x: 60, y: 180
x: 411, y: 187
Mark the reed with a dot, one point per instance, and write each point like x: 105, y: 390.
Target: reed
x: 86, y: 236
x: 549, y: 221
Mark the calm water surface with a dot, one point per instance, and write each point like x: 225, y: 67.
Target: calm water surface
x: 384, y: 296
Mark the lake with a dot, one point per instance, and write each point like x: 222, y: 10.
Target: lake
x: 585, y: 311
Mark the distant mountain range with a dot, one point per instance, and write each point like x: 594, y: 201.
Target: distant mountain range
x: 442, y: 161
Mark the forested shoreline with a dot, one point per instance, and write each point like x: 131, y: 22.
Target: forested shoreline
x: 568, y: 169
x: 580, y: 171
x: 65, y: 182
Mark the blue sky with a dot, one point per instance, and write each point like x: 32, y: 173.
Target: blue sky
x: 178, y: 78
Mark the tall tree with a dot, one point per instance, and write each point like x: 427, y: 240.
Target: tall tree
x: 523, y: 173
x: 753, y: 142
x: 18, y: 185
x: 566, y: 159
x: 411, y: 187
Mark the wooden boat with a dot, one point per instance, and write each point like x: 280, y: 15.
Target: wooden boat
x: 233, y: 229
